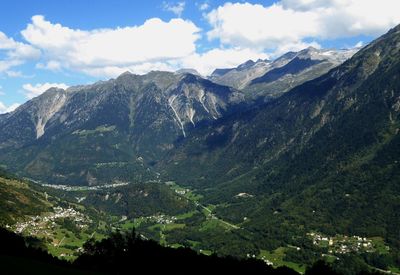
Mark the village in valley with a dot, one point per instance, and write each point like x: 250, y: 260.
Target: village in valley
x: 38, y: 224
x: 63, y: 230
x: 342, y: 244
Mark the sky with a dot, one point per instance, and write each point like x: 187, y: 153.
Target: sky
x: 47, y: 43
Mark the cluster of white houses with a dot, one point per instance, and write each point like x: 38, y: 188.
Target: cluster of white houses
x: 38, y: 224
x: 342, y: 244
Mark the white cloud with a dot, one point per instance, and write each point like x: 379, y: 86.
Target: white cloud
x: 7, y: 64
x: 32, y: 91
x: 244, y: 31
x: 294, y: 47
x: 11, y: 73
x: 15, y: 53
x: 292, y: 21
x: 140, y: 68
x: 177, y: 8
x: 7, y: 109
x: 111, y: 50
x: 51, y: 65
x: 359, y: 44
x: 155, y: 45
x: 342, y: 18
x: 206, y: 62
x: 204, y: 6
x: 256, y: 26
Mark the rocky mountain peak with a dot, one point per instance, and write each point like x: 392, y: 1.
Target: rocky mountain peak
x: 309, y: 53
x: 283, y: 59
x: 188, y: 71
x: 125, y: 73
x: 144, y: 114
x: 246, y: 65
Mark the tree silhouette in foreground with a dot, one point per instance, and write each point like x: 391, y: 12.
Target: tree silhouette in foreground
x: 128, y: 252
x: 121, y: 253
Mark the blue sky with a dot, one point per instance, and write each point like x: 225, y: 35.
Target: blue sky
x: 46, y: 43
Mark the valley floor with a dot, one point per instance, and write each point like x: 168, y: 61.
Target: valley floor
x: 200, y: 227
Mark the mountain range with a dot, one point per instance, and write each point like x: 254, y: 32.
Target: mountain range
x: 125, y: 123
x: 265, y: 78
x: 275, y: 150
x: 320, y: 152
x: 131, y: 122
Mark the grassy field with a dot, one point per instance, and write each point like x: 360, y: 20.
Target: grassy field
x: 276, y: 258
x: 167, y: 227
x: 65, y: 243
x: 380, y: 245
x: 185, y: 192
x: 395, y: 270
x: 160, y: 225
x: 207, y: 210
x: 186, y: 215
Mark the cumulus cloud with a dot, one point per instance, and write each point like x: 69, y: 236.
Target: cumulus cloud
x: 111, y: 49
x: 244, y: 31
x: 7, y: 64
x: 11, y: 73
x: 32, y: 91
x: 359, y: 44
x: 177, y: 8
x: 256, y: 26
x: 203, y: 6
x: 206, y: 62
x: 341, y: 18
x: 294, y: 47
x: 155, y: 45
x: 292, y: 21
x: 140, y: 68
x: 6, y: 109
x: 51, y: 65
x: 15, y: 53
x: 16, y: 49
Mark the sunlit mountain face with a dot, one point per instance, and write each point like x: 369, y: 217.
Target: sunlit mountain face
x: 169, y: 136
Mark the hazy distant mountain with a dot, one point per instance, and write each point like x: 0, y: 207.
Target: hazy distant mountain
x: 240, y: 76
x: 188, y: 71
x: 271, y: 78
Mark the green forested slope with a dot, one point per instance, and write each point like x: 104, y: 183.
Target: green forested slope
x: 324, y: 156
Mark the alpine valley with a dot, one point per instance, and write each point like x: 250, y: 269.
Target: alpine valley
x: 288, y: 161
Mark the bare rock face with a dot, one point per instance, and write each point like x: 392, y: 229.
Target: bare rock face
x: 241, y: 76
x: 122, y: 128
x: 109, y: 123
x: 28, y: 122
x: 271, y: 78
x: 47, y: 109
